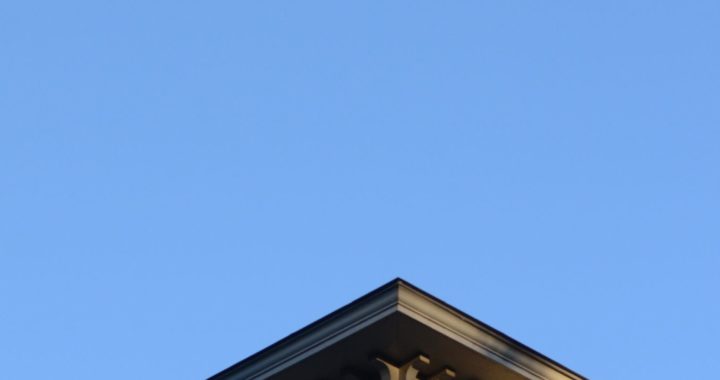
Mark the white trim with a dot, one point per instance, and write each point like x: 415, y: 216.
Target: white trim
x: 397, y: 297
x: 314, y: 341
x: 477, y: 337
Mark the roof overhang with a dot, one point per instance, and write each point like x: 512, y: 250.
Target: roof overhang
x: 397, y: 322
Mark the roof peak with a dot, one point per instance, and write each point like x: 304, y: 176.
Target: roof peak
x: 413, y: 320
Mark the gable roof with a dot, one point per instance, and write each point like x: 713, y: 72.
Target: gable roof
x: 396, y: 321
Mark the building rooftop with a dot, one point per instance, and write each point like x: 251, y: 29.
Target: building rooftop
x: 397, y: 332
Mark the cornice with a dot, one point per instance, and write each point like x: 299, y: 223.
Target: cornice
x: 329, y: 330
x: 478, y: 336
x: 398, y: 296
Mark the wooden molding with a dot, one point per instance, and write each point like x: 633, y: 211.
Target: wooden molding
x: 399, y: 296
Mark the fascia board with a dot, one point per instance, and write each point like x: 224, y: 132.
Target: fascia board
x: 478, y: 336
x: 398, y: 296
x: 312, y: 339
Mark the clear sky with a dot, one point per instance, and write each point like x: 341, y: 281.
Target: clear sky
x: 185, y: 182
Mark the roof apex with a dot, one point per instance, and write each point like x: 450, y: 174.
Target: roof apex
x: 398, y: 296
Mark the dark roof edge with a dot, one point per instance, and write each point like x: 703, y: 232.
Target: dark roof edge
x: 317, y: 325
x: 397, y: 295
x: 502, y: 337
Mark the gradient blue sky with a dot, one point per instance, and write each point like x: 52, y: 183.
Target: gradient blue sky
x: 183, y: 183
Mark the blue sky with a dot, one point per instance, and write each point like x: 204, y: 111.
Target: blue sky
x: 183, y: 183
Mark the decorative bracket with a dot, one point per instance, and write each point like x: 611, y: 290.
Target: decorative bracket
x: 445, y: 374
x: 410, y: 370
